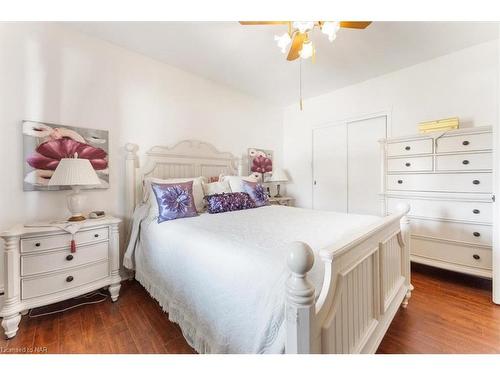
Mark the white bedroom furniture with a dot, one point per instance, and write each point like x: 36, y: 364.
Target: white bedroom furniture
x: 364, y: 272
x: 40, y: 268
x: 282, y: 201
x: 446, y: 177
x: 346, y: 166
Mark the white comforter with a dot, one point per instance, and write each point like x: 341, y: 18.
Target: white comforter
x: 222, y: 277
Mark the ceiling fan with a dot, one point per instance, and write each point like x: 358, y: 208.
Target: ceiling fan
x: 297, y: 36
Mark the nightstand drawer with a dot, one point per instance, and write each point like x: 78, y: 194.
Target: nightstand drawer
x: 59, y: 241
x: 61, y: 260
x: 43, y: 285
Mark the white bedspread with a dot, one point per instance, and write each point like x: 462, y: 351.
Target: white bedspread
x: 222, y: 276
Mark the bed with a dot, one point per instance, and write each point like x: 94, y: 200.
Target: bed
x: 272, y: 279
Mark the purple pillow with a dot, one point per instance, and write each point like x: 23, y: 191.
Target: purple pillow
x: 225, y: 202
x: 256, y: 192
x: 174, y: 200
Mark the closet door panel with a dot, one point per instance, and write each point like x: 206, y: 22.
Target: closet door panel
x: 363, y: 165
x: 330, y: 168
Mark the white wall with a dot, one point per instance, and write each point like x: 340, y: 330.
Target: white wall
x: 53, y: 74
x: 460, y: 84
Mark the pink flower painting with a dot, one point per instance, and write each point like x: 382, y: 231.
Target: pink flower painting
x: 46, y: 144
x: 260, y: 162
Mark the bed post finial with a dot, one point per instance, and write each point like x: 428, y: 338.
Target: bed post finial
x: 299, y: 304
x: 405, y: 234
x: 130, y: 183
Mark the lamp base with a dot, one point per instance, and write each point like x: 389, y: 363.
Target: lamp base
x: 278, y: 195
x: 77, y: 218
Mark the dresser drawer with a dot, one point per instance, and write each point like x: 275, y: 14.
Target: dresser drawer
x: 479, y: 212
x: 440, y: 182
x: 59, y: 260
x: 471, y: 233
x: 43, y: 285
x: 59, y: 241
x: 416, y: 164
x: 464, y: 142
x: 452, y: 253
x: 421, y: 146
x: 464, y: 162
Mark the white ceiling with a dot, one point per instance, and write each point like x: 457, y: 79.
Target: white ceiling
x: 247, y: 58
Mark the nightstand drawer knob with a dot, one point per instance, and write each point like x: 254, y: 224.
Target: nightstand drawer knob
x: 476, y: 257
x: 69, y: 257
x: 69, y: 279
x: 38, y: 244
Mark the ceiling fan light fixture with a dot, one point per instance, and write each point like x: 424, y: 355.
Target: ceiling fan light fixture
x: 303, y: 26
x: 283, y: 41
x: 330, y: 28
x: 307, y: 50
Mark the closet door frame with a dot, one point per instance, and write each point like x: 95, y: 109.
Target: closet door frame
x: 345, y: 121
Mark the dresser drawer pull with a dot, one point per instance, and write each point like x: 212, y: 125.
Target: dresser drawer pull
x: 407, y: 148
x: 476, y: 257
x: 69, y: 257
x: 400, y: 182
x: 69, y: 279
x: 475, y: 211
x: 465, y: 162
x: 38, y: 244
x: 476, y: 182
x: 408, y: 164
x: 96, y: 235
x: 465, y: 143
x: 476, y: 234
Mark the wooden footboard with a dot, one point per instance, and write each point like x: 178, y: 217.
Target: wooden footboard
x: 367, y: 278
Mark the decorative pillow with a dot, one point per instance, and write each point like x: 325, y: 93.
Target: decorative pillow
x: 257, y: 192
x: 236, y: 182
x: 197, y: 190
x: 225, y: 202
x: 216, y: 188
x: 174, y: 200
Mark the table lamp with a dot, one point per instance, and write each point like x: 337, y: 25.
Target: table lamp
x: 75, y: 172
x: 279, y: 175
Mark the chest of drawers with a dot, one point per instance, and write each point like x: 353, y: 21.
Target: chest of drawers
x: 41, y: 269
x: 447, y: 180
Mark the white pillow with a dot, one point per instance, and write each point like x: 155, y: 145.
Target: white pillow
x: 216, y: 187
x: 235, y: 182
x: 197, y: 190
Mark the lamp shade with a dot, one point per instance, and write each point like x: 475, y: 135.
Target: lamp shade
x: 74, y: 172
x: 279, y: 175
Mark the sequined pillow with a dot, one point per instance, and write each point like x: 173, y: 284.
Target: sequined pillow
x: 174, y: 200
x: 257, y: 192
x: 225, y: 202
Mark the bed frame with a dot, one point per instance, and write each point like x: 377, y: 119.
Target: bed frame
x: 367, y: 276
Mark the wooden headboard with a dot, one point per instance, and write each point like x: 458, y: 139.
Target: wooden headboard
x: 189, y: 158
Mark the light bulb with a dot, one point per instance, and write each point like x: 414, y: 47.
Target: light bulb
x: 307, y: 50
x: 283, y: 41
x: 330, y: 28
x: 303, y: 26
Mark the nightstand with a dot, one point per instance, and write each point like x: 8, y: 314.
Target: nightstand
x: 281, y: 201
x: 40, y: 268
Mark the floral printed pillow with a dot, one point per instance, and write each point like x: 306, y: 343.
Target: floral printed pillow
x: 225, y: 202
x: 174, y: 200
x: 257, y: 192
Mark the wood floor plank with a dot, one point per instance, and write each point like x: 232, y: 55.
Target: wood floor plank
x: 448, y: 313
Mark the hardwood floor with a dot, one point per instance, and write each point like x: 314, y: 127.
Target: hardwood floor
x: 448, y: 313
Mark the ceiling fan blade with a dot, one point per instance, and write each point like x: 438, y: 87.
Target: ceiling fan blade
x: 296, y: 46
x: 263, y: 22
x: 355, y: 24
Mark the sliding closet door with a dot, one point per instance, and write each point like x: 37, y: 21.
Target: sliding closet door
x: 363, y: 160
x: 330, y: 168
